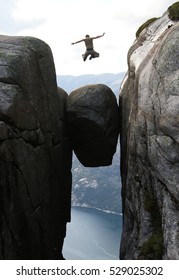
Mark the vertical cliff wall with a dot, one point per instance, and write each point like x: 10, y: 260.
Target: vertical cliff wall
x: 149, y: 107
x: 35, y: 154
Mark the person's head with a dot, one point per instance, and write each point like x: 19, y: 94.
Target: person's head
x: 87, y: 36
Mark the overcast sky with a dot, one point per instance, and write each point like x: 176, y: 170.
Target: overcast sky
x: 61, y: 22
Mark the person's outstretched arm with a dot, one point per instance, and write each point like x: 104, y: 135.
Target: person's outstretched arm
x: 98, y: 36
x: 77, y: 42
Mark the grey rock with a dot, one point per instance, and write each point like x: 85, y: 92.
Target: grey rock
x: 149, y: 107
x: 35, y: 154
x: 92, y: 116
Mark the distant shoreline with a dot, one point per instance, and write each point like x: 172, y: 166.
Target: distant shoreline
x: 96, y: 209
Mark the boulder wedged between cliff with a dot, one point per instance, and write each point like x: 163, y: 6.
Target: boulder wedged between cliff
x: 93, y: 124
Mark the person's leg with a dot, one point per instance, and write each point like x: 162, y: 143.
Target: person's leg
x: 85, y: 55
x: 94, y: 54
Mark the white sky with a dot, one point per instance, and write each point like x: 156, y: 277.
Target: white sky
x: 61, y: 22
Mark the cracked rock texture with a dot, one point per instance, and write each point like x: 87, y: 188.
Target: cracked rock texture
x: 35, y: 155
x: 92, y: 115
x: 149, y: 107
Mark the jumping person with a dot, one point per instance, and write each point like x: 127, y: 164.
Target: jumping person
x: 89, y: 46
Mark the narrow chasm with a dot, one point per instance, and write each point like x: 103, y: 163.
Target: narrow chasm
x: 96, y: 219
x: 92, y: 116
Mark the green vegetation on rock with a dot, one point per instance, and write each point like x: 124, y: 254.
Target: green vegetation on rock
x: 153, y: 247
x: 173, y: 11
x: 144, y: 25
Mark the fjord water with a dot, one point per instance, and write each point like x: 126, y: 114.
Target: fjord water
x: 92, y: 235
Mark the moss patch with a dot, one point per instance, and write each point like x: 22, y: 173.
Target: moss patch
x: 153, y: 247
x: 151, y: 206
x: 144, y: 25
x: 173, y: 11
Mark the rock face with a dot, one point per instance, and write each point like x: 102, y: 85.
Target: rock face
x: 35, y: 154
x: 149, y: 106
x: 92, y: 115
